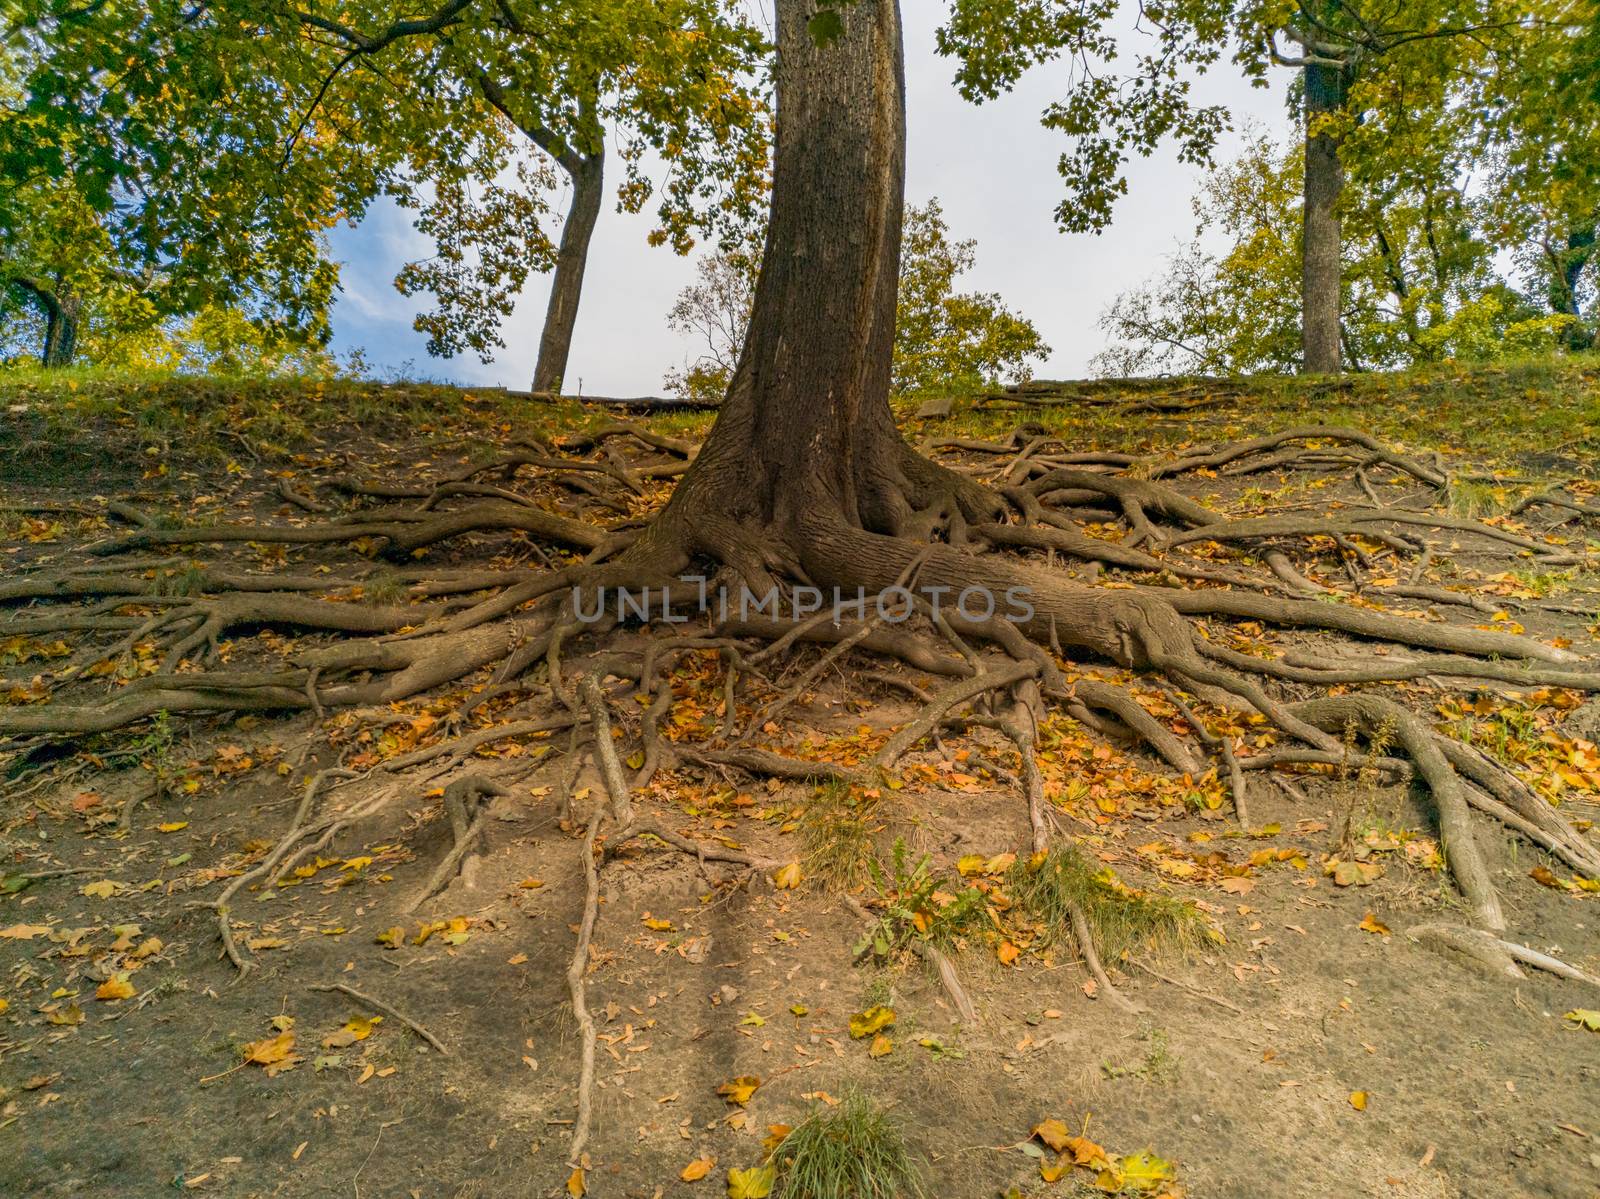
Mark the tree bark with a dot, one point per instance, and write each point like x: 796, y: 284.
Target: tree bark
x: 566, y: 286
x: 806, y: 424
x: 63, y: 314
x: 1320, y: 280
x: 1566, y: 271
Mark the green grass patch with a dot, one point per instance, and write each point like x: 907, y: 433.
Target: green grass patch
x: 854, y: 1150
x: 837, y: 826
x: 1120, y: 919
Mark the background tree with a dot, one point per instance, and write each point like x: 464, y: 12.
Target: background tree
x: 1360, y: 65
x: 132, y: 197
x: 1419, y: 278
x: 945, y: 342
x: 467, y: 93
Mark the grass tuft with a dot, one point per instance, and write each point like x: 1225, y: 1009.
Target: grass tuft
x: 1120, y: 918
x: 837, y: 826
x: 851, y: 1151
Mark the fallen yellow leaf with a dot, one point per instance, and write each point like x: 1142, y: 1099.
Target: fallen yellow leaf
x: 754, y: 1183
x: 1358, y: 1100
x: 24, y: 932
x: 697, y: 1169
x: 114, y: 988
x: 275, y: 1053
x: 1053, y: 1133
x: 738, y: 1090
x: 873, y: 1020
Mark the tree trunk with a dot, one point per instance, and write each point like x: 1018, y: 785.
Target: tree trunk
x: 804, y: 475
x: 806, y: 424
x: 63, y: 314
x: 566, y: 286
x: 1319, y: 271
x: 1566, y: 268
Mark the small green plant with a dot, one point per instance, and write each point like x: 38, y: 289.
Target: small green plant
x: 851, y: 1151
x: 154, y: 750
x: 916, y: 906
x: 1160, y: 1064
x: 1120, y: 919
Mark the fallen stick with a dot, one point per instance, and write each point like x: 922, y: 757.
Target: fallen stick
x: 379, y: 1005
x: 1183, y: 986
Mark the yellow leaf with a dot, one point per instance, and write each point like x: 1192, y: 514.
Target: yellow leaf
x: 881, y: 1046
x: 1143, y: 1172
x: 114, y: 988
x: 275, y: 1053
x: 4, y: 1004
x: 1584, y: 1018
x: 358, y: 1028
x: 873, y: 1020
x: 391, y: 938
x: 71, y: 1014
x: 1358, y: 1100
x: 174, y: 826
x: 531, y: 884
x: 1086, y: 1153
x: 1052, y: 1171
x: 103, y: 889
x: 575, y: 1186
x: 775, y: 1136
x: 754, y: 1183
x: 657, y: 925
x: 1053, y: 1133
x: 697, y: 1169
x: 753, y: 1020
x: 23, y: 932
x: 150, y: 946
x: 1007, y: 953
x: 787, y: 878
x: 738, y: 1091
x: 1371, y: 924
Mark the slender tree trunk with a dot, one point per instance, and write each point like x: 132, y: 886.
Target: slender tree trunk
x: 1567, y: 267
x: 566, y: 286
x: 1319, y: 271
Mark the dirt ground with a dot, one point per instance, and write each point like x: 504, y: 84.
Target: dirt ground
x: 1308, y: 1048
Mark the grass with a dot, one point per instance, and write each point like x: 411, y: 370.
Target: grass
x: 850, y: 1151
x: 1497, y: 413
x: 837, y: 827
x: 1120, y: 920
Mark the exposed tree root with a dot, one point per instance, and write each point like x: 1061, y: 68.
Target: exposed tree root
x: 465, y: 806
x: 938, y: 528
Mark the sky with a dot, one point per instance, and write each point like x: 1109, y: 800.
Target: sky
x: 993, y: 168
